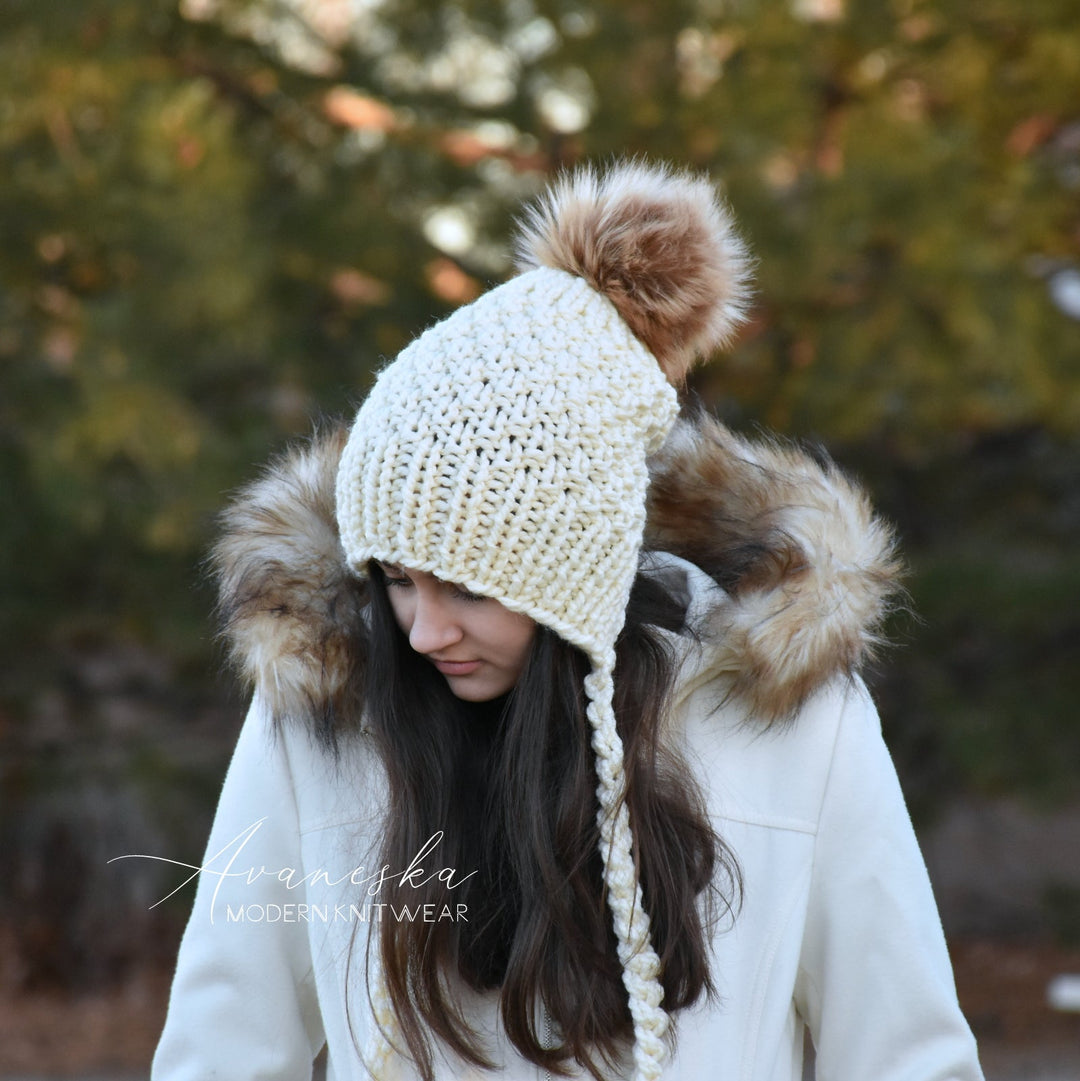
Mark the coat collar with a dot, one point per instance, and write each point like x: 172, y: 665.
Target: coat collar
x: 791, y: 573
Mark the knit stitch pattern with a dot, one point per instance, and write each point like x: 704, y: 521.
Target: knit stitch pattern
x: 641, y: 966
x: 504, y: 450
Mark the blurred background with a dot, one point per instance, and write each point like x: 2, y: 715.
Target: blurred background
x: 220, y: 216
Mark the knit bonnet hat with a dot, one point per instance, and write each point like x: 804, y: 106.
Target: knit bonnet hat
x: 505, y: 449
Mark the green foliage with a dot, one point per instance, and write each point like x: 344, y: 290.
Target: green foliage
x: 215, y: 228
x: 984, y: 696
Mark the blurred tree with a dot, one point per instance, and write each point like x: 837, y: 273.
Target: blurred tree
x: 219, y: 215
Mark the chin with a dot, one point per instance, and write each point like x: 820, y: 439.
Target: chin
x: 480, y: 692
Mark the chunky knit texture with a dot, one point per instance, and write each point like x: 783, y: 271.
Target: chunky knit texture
x: 505, y: 451
x: 507, y: 442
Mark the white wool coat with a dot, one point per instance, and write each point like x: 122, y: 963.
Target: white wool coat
x: 837, y: 934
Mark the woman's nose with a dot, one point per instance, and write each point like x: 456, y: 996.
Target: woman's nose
x: 434, y: 627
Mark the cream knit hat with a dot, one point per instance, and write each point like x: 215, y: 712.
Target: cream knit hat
x: 505, y: 450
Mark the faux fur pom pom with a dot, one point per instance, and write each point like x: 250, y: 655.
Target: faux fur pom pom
x: 658, y: 244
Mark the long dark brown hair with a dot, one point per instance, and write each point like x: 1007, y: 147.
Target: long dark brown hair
x: 512, y: 786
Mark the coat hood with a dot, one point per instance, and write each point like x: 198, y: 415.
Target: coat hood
x: 805, y: 569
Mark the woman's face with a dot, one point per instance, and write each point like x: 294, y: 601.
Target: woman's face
x: 478, y: 645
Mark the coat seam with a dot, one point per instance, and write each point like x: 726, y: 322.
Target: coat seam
x: 763, y: 979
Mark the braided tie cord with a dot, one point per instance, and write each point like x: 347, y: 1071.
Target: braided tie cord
x: 504, y: 450
x: 641, y: 966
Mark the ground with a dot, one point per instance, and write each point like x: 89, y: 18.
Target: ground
x: 110, y: 1035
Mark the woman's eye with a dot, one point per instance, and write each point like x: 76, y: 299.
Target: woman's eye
x: 391, y: 581
x: 465, y: 595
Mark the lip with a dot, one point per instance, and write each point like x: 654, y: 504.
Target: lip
x: 456, y: 668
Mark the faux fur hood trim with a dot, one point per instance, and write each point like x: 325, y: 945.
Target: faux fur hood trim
x: 289, y: 606
x: 807, y: 570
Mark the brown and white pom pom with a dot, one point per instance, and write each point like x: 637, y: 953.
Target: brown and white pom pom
x: 660, y: 245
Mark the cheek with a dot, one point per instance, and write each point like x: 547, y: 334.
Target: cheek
x: 518, y: 638
x: 402, y: 607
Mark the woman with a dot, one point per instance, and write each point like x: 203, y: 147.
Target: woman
x: 558, y: 762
